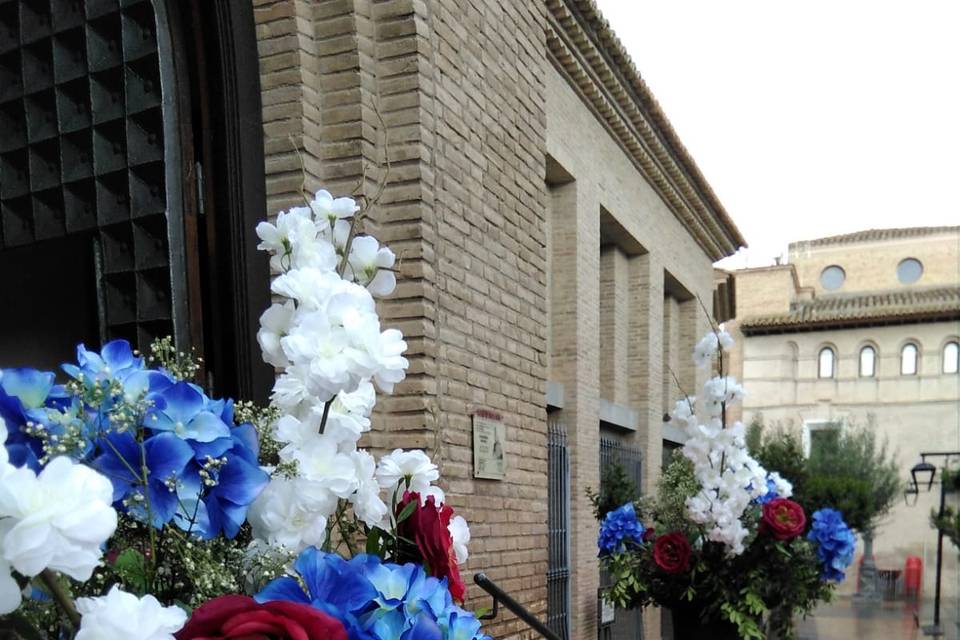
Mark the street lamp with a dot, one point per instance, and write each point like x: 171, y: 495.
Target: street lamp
x: 918, y: 472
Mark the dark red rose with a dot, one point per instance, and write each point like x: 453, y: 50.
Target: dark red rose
x: 427, y: 527
x: 672, y: 552
x: 783, y: 519
x: 237, y: 617
x: 649, y: 535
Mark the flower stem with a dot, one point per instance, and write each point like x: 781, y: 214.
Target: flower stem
x: 49, y: 579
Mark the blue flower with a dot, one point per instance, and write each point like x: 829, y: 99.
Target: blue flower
x: 375, y: 600
x: 182, y: 409
x: 619, y: 529
x: 835, y: 543
x: 122, y: 460
x: 219, y: 485
x: 23, y: 396
x: 116, y: 361
x: 771, y: 493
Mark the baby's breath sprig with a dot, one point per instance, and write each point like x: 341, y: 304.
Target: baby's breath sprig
x: 180, y: 364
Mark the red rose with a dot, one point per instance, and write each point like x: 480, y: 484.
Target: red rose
x: 648, y: 535
x: 783, y: 519
x: 672, y: 552
x: 242, y: 618
x: 427, y: 527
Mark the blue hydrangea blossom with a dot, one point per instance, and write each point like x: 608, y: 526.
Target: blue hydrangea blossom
x: 375, y: 600
x: 202, y: 468
x: 619, y: 529
x: 835, y: 543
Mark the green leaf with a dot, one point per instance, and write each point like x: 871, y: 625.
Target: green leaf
x: 407, y: 511
x: 131, y: 566
x: 373, y: 541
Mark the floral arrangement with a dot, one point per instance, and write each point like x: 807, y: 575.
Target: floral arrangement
x: 134, y: 505
x: 725, y: 547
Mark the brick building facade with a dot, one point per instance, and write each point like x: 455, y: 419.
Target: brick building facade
x: 552, y: 232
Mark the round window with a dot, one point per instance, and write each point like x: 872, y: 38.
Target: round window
x: 832, y: 277
x: 909, y: 271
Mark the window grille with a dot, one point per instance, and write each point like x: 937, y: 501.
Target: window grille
x: 627, y: 624
x: 558, y: 527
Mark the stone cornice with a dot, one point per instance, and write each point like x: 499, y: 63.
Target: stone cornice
x: 588, y: 54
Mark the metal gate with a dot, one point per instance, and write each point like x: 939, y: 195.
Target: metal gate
x: 558, y: 526
x: 627, y: 624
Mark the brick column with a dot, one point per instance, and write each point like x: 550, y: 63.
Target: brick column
x: 646, y: 379
x: 575, y: 320
x: 614, y: 325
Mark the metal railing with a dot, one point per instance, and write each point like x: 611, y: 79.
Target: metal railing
x: 501, y: 597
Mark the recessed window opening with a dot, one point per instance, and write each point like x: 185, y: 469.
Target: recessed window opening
x: 908, y: 359
x: 825, y: 363
x: 951, y: 357
x: 868, y: 362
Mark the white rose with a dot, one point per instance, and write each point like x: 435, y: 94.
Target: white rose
x: 61, y: 518
x: 122, y: 615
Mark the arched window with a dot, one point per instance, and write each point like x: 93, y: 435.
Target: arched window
x: 951, y: 357
x: 825, y: 363
x: 908, y: 359
x: 868, y: 362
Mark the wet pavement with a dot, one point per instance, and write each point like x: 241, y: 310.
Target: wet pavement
x: 897, y: 620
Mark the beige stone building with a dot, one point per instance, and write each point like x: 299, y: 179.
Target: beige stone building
x: 553, y: 232
x: 862, y: 329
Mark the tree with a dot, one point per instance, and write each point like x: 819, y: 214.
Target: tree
x: 851, y: 470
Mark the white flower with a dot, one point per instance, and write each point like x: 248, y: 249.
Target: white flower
x: 367, y: 503
x: 122, y: 615
x: 781, y: 485
x: 709, y: 344
x: 349, y: 415
x: 292, y: 513
x: 372, y: 265
x: 435, y: 492
x: 293, y: 241
x: 274, y: 324
x: 327, y: 209
x: 720, y: 391
x: 413, y: 466
x: 392, y: 364
x: 460, y: 533
x: 61, y: 518
x: 319, y: 460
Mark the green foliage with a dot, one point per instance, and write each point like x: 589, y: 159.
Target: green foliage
x: 867, y: 477
x: 949, y: 524
x: 849, y: 469
x: 779, y: 450
x: 617, y: 489
x: 677, y: 483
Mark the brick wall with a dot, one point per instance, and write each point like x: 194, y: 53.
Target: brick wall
x: 449, y: 95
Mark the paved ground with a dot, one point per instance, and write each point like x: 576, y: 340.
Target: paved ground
x: 844, y: 619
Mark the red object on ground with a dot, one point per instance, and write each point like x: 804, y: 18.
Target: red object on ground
x: 912, y: 576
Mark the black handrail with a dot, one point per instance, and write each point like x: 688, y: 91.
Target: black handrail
x: 518, y: 609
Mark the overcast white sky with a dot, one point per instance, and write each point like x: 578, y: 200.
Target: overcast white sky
x: 808, y: 118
